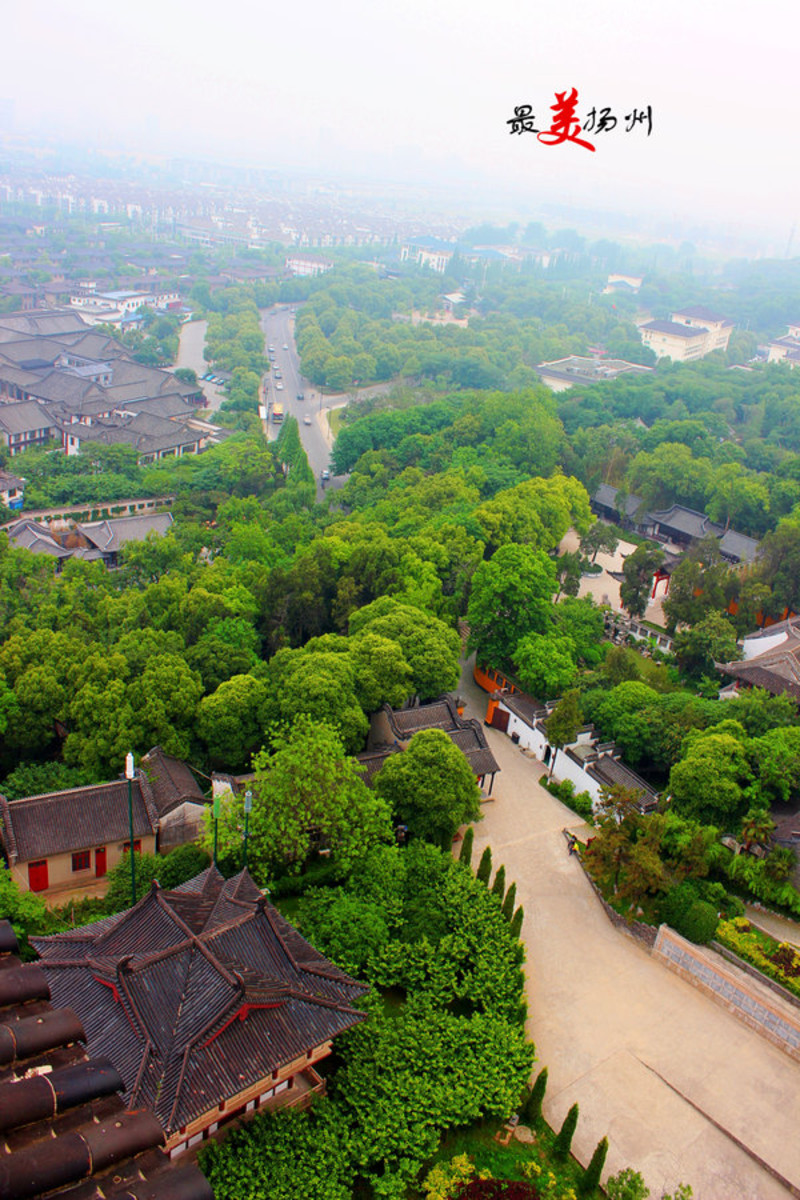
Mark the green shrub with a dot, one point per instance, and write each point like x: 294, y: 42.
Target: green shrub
x: 582, y: 805
x: 508, y: 903
x: 591, y: 1176
x: 516, y: 922
x: 677, y: 902
x: 485, y: 866
x: 499, y: 885
x: 699, y: 924
x: 563, y: 1142
x: 466, y: 847
x: 532, y: 1109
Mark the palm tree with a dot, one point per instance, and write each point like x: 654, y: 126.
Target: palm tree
x: 757, y: 826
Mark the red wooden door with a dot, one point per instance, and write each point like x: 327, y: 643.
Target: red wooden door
x: 38, y: 876
x: 100, y: 862
x: 500, y: 719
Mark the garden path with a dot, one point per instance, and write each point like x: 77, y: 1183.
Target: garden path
x: 681, y: 1088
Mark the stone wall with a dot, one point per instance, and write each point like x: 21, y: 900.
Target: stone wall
x: 646, y: 934
x: 732, y: 989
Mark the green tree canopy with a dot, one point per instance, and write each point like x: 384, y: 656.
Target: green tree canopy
x: 511, y: 598
x: 308, y: 795
x: 430, y: 787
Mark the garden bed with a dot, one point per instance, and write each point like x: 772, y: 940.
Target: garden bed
x: 777, y: 961
x: 532, y: 1162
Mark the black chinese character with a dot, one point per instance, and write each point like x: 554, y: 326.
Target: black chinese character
x: 602, y: 122
x: 640, y: 118
x: 523, y: 120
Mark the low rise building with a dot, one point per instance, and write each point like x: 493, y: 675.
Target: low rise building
x: 590, y: 764
x: 207, y: 1001
x: 68, y: 839
x: 576, y: 370
x: 392, y: 729
x: 690, y: 333
x: 64, y: 1129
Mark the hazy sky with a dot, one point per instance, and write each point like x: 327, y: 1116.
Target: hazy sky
x: 425, y: 87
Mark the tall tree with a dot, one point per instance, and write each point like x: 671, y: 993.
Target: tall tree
x: 563, y: 723
x: 638, y: 571
x: 430, y: 787
x: 308, y: 795
x: 511, y: 597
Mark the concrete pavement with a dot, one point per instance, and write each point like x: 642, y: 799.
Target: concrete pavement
x: 682, y: 1089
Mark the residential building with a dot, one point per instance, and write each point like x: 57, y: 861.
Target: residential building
x: 207, y: 1001
x: 690, y: 334
x: 625, y: 285
x: 428, y: 252
x: 770, y: 660
x: 26, y: 424
x: 12, y: 490
x: 68, y: 839
x: 64, y: 1129
x: 787, y: 348
x: 304, y: 264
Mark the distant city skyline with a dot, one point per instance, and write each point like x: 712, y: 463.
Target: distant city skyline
x: 423, y: 94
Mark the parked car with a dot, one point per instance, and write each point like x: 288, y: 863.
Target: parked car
x: 326, y: 474
x: 301, y: 395
x: 306, y: 419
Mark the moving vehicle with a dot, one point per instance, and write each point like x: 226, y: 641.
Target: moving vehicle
x: 278, y: 386
x: 326, y: 474
x: 306, y: 419
x: 301, y: 395
x: 277, y: 413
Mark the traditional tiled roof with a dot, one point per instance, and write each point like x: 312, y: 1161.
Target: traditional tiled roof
x: 110, y: 536
x: 25, y: 416
x: 439, y: 714
x: 29, y: 535
x: 738, y: 546
x: 171, y: 781
x: 606, y: 497
x: 40, y: 324
x: 64, y: 1131
x: 687, y: 521
x: 59, y: 822
x: 777, y: 669
x: 466, y: 733
x: 197, y: 994
x: 610, y: 772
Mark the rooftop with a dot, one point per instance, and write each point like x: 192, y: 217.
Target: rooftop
x: 64, y: 1131
x: 160, y: 986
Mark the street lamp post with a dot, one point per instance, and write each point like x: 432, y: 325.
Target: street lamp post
x: 129, y: 772
x: 215, y: 811
x: 248, y: 808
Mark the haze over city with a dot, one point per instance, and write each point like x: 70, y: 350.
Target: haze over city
x: 421, y: 94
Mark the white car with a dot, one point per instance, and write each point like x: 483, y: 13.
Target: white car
x: 285, y: 346
x: 278, y: 387
x: 306, y: 419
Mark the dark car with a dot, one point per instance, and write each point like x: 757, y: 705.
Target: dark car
x: 301, y: 395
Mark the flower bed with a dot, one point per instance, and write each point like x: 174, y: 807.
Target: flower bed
x: 777, y: 960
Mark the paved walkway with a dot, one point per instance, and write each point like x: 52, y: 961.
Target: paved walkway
x: 667, y: 1074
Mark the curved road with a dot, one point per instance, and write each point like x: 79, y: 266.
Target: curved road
x: 665, y: 1072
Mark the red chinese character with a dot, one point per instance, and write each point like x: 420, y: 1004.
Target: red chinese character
x: 565, y: 126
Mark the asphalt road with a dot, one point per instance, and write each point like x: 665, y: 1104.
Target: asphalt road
x: 278, y: 326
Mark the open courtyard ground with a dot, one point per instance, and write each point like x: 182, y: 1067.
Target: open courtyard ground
x: 683, y: 1090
